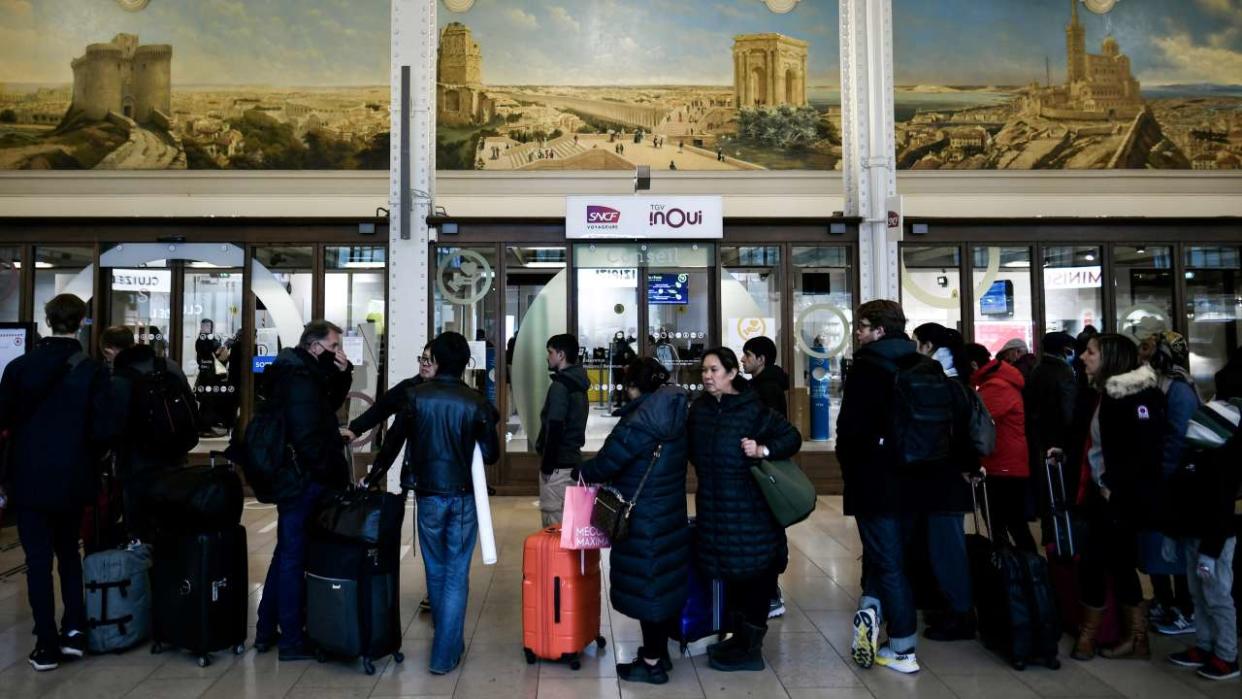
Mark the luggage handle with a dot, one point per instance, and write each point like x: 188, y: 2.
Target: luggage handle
x: 981, y: 484
x: 556, y: 600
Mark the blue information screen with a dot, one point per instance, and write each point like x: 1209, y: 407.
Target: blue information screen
x: 998, y: 300
x: 668, y: 289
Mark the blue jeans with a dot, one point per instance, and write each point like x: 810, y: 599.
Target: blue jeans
x: 447, y: 528
x: 885, y: 586
x: 946, y: 546
x: 284, y: 591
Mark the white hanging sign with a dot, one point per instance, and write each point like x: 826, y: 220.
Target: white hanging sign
x: 643, y: 217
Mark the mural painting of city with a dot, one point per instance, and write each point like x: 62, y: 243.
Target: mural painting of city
x: 210, y: 84
x: 529, y: 85
x: 1068, y: 84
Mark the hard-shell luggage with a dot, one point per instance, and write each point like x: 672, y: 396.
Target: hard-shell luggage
x: 1014, y: 599
x: 703, y: 615
x: 560, y: 599
x: 118, y: 598
x: 1064, y: 577
x: 352, y: 584
x: 196, y: 499
x: 200, y: 585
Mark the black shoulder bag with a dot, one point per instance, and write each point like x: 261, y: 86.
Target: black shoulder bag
x: 611, y: 513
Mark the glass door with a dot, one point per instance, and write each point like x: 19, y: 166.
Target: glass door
x: 141, y: 299
x: 823, y: 314
x: 679, y: 301
x: 211, y: 326
x: 536, y: 290
x: 1213, y: 310
x: 606, y: 278
x: 1003, y: 307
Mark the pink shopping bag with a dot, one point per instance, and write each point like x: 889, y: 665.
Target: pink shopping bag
x: 576, y: 531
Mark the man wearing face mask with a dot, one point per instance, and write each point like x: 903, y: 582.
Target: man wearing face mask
x: 309, y: 382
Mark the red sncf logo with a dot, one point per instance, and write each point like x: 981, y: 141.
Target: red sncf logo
x: 602, y: 214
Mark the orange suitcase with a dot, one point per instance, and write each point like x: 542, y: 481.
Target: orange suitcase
x: 560, y: 602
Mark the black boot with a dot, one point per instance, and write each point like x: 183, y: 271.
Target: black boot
x: 747, y: 655
x: 737, y: 621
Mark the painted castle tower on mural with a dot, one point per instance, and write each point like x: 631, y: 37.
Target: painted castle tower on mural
x: 460, y: 98
x: 1097, y: 86
x: 123, y: 78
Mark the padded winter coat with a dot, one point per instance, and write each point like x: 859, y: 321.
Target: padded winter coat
x: 649, y: 569
x: 738, y: 539
x: 1000, y: 386
x: 1133, y: 426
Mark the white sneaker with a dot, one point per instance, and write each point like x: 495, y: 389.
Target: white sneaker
x: 866, y: 637
x: 901, y: 662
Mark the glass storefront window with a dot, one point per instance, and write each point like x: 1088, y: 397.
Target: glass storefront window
x: 55, y: 269
x: 536, y: 293
x: 465, y: 302
x: 1073, y: 288
x: 750, y: 296
x: 210, y: 328
x: 1143, y: 276
x: 823, y: 313
x: 1002, y: 291
x: 931, y: 285
x: 606, y: 278
x: 355, y: 288
x: 1213, y: 310
x: 10, y: 284
x: 678, y: 309
x: 141, y: 298
x: 294, y: 269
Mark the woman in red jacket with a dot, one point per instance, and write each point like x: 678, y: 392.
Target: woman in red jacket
x: 1000, y: 386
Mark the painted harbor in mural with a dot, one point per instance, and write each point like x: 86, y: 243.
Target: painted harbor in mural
x: 530, y: 85
x: 209, y: 84
x: 1064, y: 84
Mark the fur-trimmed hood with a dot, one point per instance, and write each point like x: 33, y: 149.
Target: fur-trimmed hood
x: 1132, y: 382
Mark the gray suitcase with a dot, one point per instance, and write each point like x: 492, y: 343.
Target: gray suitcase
x: 118, y: 598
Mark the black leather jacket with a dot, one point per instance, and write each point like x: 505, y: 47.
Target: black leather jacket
x: 447, y: 418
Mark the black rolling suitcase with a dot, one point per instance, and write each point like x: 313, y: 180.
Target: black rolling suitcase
x: 352, y: 580
x: 1014, y: 600
x: 1060, y: 519
x: 199, y: 587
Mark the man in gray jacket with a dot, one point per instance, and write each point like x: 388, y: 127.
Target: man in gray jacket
x: 562, y: 426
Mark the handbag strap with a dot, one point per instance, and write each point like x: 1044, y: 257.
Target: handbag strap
x: 654, y: 458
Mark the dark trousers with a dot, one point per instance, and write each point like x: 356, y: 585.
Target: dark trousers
x: 751, y: 597
x: 284, y: 591
x: 44, y: 534
x: 1173, y: 591
x: 655, y: 638
x: 1112, y: 550
x: 1007, y: 497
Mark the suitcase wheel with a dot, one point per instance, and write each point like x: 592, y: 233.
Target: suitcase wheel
x: 321, y: 656
x: 157, y: 648
x: 600, y: 642
x: 239, y: 649
x: 368, y: 666
x: 204, y: 660
x: 1018, y: 664
x: 398, y: 657
x: 530, y: 656
x: 1052, y: 663
x: 575, y: 664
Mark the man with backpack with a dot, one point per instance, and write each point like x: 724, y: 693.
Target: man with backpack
x: 307, y: 384
x: 562, y: 426
x: 156, y: 415
x: 872, y: 466
x: 55, y: 403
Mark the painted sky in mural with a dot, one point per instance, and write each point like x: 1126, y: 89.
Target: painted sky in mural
x: 1047, y: 84
x: 610, y: 84
x: 280, y: 84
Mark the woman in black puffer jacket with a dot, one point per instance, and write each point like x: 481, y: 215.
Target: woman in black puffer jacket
x: 739, y: 541
x: 649, y: 569
x: 1124, y: 468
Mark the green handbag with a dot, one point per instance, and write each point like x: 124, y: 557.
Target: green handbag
x: 789, y: 493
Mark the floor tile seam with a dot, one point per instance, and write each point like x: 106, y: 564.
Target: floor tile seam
x: 148, y: 676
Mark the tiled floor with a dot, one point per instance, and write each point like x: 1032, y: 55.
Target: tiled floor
x: 807, y: 650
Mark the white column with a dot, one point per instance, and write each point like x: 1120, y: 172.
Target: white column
x: 869, y: 143
x: 413, y: 43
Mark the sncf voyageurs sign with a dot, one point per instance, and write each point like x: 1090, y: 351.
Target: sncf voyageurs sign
x: 643, y: 217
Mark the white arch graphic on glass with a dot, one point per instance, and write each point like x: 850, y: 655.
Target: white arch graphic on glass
x: 265, y: 285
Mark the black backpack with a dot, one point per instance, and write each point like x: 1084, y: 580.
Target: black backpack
x: 268, y: 461
x: 163, y: 415
x: 927, y: 410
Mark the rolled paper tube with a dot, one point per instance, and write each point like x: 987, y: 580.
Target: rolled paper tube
x: 487, y: 536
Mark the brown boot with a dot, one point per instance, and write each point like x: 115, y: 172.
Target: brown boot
x: 1084, y: 649
x: 1134, y: 644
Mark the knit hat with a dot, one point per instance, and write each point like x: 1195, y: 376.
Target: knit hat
x: 1016, y: 343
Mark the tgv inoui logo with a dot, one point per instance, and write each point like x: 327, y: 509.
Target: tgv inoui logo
x: 602, y: 214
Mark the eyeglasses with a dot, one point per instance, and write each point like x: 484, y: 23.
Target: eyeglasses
x: 424, y: 361
x: 863, y: 325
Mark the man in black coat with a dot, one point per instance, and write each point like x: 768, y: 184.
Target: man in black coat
x: 874, y: 487
x: 1049, y: 397
x: 136, y: 463
x: 562, y: 426
x: 450, y: 418
x: 766, y: 378
x: 54, y: 401
x: 309, y: 383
